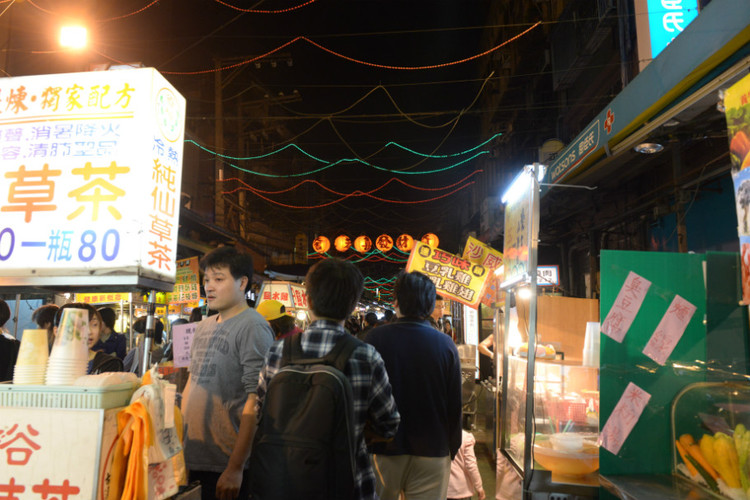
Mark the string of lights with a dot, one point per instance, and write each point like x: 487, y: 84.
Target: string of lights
x: 258, y: 11
x: 353, y: 193
x: 154, y: 2
x: 320, y: 160
x: 343, y: 56
x: 354, y: 160
x: 381, y: 281
x: 368, y: 257
x: 395, y: 105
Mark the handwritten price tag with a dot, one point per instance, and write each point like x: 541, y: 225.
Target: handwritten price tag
x: 626, y: 306
x: 670, y: 330
x: 623, y: 418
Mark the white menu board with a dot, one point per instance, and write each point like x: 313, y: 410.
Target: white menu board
x: 90, y: 175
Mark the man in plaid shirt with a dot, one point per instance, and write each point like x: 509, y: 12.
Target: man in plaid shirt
x: 333, y: 290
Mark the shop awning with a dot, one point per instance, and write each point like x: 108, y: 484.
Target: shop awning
x: 715, y: 42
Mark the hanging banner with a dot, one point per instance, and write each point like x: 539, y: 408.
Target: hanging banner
x: 517, y: 238
x: 186, y: 289
x: 737, y: 105
x: 291, y: 295
x: 478, y: 252
x: 101, y: 298
x: 90, y: 177
x: 455, y: 278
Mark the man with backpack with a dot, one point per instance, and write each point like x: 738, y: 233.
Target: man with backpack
x: 318, y: 393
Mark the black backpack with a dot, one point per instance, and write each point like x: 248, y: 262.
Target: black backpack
x: 304, y: 446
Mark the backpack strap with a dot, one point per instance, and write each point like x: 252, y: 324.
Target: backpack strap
x: 337, y: 357
x: 341, y: 352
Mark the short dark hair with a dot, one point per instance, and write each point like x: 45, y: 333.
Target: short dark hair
x: 44, y: 316
x: 108, y: 317
x: 282, y: 325
x: 371, y: 318
x: 334, y: 287
x: 415, y: 293
x: 140, y: 327
x: 239, y: 263
x: 4, y: 312
x: 93, y: 313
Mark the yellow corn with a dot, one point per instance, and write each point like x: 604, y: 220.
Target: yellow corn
x: 728, y: 461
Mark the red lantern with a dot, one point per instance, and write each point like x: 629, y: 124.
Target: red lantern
x: 362, y: 244
x: 321, y: 244
x: 342, y: 243
x: 405, y: 243
x: 431, y: 240
x: 384, y: 243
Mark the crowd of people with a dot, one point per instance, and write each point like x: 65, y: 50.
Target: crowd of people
x: 404, y: 376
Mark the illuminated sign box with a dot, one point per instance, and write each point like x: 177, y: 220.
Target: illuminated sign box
x: 658, y: 22
x: 90, y: 176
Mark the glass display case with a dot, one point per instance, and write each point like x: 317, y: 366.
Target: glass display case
x: 566, y: 419
x: 710, y: 437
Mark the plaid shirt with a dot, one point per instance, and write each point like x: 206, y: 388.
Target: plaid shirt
x: 373, y: 401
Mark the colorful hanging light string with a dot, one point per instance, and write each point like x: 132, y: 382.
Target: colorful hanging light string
x: 342, y: 56
x: 327, y: 162
x: 154, y: 2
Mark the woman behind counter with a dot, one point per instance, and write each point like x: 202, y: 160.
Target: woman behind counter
x: 99, y: 362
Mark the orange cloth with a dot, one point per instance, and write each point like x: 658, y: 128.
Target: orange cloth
x: 129, y: 475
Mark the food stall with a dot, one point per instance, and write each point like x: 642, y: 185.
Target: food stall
x: 94, y: 162
x: 292, y: 295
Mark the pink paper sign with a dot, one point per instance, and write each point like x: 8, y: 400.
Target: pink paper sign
x: 182, y: 339
x: 623, y: 418
x: 626, y: 306
x: 670, y: 330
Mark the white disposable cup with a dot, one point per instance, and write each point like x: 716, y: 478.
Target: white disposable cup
x: 34, y: 349
x: 71, y: 340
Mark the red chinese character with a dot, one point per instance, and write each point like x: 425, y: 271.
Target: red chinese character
x: 492, y: 261
x: 63, y: 490
x: 160, y: 254
x: 26, y: 451
x: 10, y: 489
x: 284, y: 297
x: 474, y: 251
x: 275, y: 295
x: 460, y: 263
x: 266, y: 295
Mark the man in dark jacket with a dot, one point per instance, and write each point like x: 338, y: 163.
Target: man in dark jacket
x: 425, y: 372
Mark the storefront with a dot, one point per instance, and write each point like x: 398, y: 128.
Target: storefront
x: 668, y: 320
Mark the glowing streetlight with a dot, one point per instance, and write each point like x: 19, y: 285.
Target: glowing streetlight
x: 73, y: 37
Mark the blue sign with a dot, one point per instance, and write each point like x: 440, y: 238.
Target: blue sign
x: 667, y: 19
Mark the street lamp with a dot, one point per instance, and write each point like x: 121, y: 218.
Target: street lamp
x: 73, y: 37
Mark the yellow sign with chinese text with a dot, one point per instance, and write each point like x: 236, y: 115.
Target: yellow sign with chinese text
x: 480, y: 253
x: 186, y: 288
x: 102, y: 298
x: 455, y: 278
x: 90, y: 176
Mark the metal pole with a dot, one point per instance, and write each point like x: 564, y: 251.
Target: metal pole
x: 15, y: 319
x: 149, y: 336
x: 533, y: 226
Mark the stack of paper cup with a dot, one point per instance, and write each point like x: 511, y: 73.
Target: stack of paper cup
x: 31, y: 364
x: 591, y: 344
x: 70, y: 353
